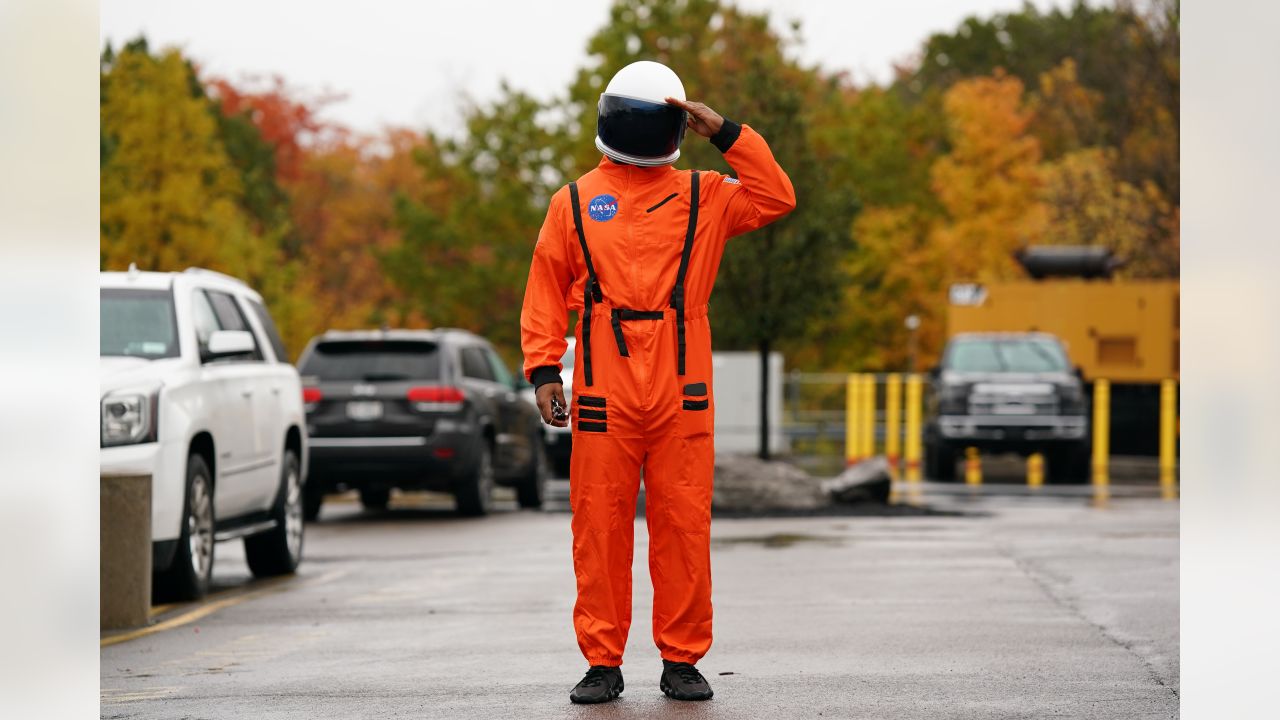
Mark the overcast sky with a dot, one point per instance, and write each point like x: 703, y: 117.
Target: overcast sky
x: 410, y: 63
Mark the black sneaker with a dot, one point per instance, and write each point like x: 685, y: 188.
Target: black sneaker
x: 682, y: 681
x: 600, y: 684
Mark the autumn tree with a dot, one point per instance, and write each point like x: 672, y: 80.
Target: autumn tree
x: 1128, y: 56
x: 171, y: 197
x: 1088, y: 204
x: 989, y: 183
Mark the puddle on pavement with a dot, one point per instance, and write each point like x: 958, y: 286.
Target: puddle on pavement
x: 777, y: 540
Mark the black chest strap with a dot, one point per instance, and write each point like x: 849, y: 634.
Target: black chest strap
x: 592, y: 290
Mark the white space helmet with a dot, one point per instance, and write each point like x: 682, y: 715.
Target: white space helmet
x: 634, y: 124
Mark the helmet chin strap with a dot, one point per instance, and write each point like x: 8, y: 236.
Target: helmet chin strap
x: 634, y: 160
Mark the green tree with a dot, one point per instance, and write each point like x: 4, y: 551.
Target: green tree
x: 464, y: 257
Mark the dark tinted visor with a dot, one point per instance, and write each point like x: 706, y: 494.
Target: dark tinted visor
x: 638, y: 127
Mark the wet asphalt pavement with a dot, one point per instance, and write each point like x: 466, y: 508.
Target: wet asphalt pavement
x: 997, y: 603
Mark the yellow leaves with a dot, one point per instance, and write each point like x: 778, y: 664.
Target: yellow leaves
x: 1089, y: 205
x: 1066, y: 111
x: 989, y: 183
x: 168, y: 190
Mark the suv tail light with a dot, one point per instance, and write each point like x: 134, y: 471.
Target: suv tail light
x: 311, y: 398
x: 436, y: 397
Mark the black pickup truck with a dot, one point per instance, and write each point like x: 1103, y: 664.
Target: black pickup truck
x: 1011, y: 393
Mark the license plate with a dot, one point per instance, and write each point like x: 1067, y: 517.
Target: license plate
x: 1014, y: 409
x: 364, y: 410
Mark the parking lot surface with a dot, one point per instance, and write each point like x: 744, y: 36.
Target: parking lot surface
x: 996, y: 603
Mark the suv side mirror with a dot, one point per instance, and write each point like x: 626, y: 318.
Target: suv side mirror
x: 225, y: 343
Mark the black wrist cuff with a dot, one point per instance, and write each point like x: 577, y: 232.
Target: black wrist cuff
x: 543, y: 375
x: 726, y: 136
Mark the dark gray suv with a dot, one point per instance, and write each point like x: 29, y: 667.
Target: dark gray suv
x: 1007, y: 392
x: 417, y: 410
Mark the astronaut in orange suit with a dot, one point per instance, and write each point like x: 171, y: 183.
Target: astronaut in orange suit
x: 634, y: 246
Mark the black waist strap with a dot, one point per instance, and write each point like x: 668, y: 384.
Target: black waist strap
x: 621, y: 315
x: 628, y: 314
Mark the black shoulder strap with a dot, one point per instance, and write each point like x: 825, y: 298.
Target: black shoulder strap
x: 591, y: 291
x: 593, y: 283
x: 677, y: 293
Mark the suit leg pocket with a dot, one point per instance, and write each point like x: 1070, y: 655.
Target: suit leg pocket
x: 697, y: 413
x: 592, y: 413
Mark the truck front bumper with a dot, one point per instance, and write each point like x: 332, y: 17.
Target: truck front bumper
x: 1012, y: 429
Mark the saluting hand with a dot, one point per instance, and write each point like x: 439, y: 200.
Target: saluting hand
x: 702, y: 119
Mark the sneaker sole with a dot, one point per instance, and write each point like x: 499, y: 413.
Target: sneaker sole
x: 613, y: 695
x: 671, y: 693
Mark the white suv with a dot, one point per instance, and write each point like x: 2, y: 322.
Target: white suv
x: 197, y: 392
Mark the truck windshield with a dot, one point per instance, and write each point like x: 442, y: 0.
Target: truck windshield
x: 1016, y: 355
x: 137, y: 323
x: 373, y: 360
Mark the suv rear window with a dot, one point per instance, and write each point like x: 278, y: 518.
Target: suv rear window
x: 373, y: 360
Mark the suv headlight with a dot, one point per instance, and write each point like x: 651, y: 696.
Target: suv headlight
x: 129, y: 418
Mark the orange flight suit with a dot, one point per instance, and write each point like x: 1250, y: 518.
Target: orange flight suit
x: 642, y: 395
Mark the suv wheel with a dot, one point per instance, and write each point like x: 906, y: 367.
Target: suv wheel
x: 474, y: 494
x: 187, y: 578
x: 529, y: 492
x: 279, y: 550
x: 375, y: 498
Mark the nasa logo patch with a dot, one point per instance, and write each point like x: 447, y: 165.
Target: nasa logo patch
x: 602, y: 208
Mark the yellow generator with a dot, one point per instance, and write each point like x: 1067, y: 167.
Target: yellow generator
x: 1125, y: 331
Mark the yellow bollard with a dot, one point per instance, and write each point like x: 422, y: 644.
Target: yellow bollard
x: 912, y: 440
x: 868, y: 423
x: 972, y: 466
x: 1035, y: 470
x: 1101, y: 431
x: 893, y: 421
x: 851, y: 411
x: 1168, y: 436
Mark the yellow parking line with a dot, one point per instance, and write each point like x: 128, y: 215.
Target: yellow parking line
x: 264, y: 587
x: 157, y: 609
